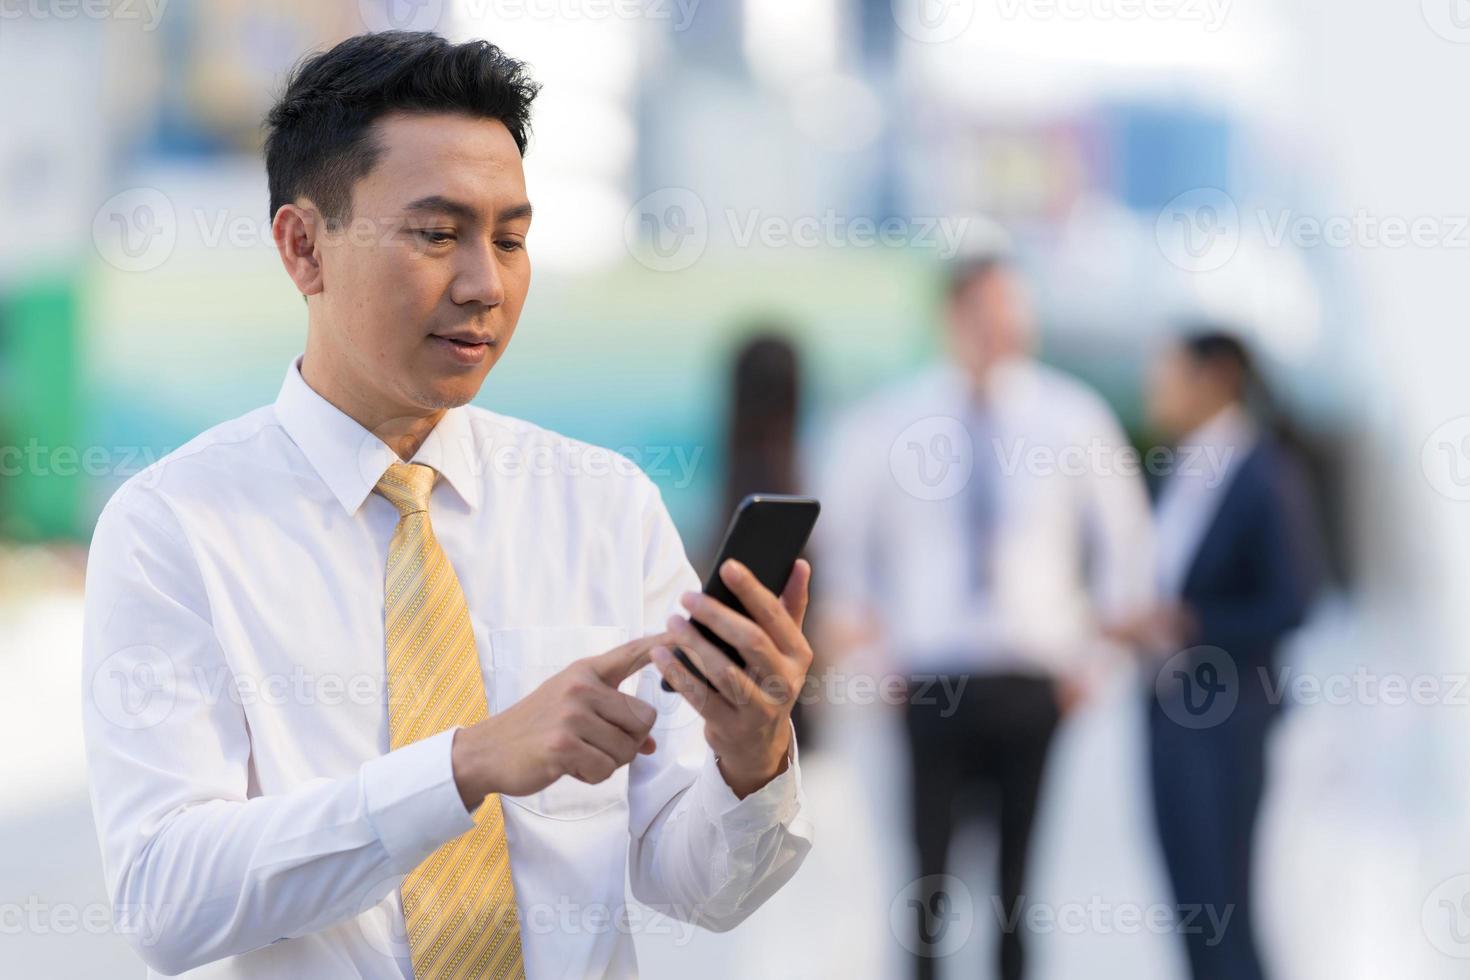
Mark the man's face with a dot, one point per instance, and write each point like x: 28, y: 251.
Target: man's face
x: 989, y: 320
x: 423, y: 287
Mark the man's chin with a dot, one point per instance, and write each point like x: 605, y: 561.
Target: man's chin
x: 437, y: 399
x: 441, y: 393
x: 431, y: 384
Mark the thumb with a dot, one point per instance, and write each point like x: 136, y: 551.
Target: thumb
x: 794, y: 596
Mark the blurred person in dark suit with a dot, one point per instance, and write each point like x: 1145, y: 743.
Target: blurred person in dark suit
x: 976, y: 532
x: 1237, y: 566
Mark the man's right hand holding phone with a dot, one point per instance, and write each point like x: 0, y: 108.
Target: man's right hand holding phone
x: 576, y: 722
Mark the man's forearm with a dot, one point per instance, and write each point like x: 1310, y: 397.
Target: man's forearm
x: 746, y: 776
x: 713, y: 858
x: 224, y: 877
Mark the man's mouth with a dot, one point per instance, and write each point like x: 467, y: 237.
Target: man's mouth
x: 466, y: 339
x: 466, y: 349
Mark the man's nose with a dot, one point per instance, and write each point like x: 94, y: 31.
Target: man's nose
x: 479, y: 277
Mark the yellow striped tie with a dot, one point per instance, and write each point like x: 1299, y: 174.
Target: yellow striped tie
x: 459, y: 904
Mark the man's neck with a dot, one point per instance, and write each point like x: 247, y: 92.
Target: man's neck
x: 981, y: 381
x: 402, y: 431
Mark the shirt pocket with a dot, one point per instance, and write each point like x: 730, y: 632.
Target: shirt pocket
x: 521, y: 659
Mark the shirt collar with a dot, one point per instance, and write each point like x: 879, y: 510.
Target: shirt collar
x: 1003, y: 378
x: 350, y: 459
x: 1228, y: 429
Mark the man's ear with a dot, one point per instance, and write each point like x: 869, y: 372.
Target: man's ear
x: 297, y: 231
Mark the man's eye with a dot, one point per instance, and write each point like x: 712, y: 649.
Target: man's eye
x: 511, y: 245
x: 436, y: 237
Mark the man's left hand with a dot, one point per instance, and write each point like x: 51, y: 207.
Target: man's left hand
x: 747, y: 714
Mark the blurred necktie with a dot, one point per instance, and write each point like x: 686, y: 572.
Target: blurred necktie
x: 459, y: 904
x: 981, y: 505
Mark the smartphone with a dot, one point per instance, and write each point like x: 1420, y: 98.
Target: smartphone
x: 766, y: 535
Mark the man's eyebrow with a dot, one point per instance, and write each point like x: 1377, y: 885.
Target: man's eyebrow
x: 514, y: 212
x: 459, y: 209
x: 443, y: 205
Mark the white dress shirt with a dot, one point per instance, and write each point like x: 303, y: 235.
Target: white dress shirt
x: 1068, y: 543
x: 1205, y: 461
x: 253, y: 822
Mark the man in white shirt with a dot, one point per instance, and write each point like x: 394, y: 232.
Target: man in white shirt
x: 981, y: 522
x: 351, y: 716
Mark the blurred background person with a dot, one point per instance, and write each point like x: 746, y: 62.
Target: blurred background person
x: 761, y: 420
x: 761, y: 437
x: 1238, y: 563
x: 962, y: 515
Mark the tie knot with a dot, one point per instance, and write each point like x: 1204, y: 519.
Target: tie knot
x: 407, y: 486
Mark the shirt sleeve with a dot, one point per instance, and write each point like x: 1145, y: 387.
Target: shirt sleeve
x: 199, y: 866
x: 1119, y: 526
x: 697, y: 852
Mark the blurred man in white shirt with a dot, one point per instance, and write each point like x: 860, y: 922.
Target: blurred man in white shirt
x: 272, y: 607
x: 982, y: 521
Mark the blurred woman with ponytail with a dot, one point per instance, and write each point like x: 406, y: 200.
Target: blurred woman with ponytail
x: 761, y: 441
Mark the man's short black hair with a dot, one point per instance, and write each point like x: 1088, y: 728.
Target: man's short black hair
x: 319, y: 138
x: 964, y: 271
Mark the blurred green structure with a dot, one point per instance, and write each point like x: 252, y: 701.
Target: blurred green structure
x: 41, y: 467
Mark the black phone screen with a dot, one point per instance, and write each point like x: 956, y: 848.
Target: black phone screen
x: 766, y: 535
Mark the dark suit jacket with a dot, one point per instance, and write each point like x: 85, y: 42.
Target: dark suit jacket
x: 1258, y: 565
